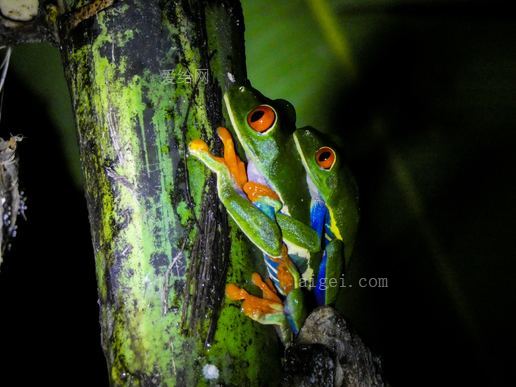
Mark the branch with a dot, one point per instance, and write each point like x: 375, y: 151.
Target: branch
x: 328, y: 353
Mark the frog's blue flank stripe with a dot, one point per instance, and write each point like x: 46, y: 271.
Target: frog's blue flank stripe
x: 318, y: 214
x: 321, y: 283
x: 320, y: 221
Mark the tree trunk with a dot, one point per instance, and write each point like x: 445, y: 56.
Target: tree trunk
x: 146, y: 77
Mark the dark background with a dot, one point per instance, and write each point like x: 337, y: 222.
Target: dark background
x: 428, y: 128
x: 49, y: 329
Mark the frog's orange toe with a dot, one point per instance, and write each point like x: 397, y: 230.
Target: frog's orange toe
x: 198, y: 145
x: 224, y: 134
x: 256, y: 279
x: 235, y: 293
x: 268, y: 291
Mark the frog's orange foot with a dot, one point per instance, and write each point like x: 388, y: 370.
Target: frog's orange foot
x: 200, y: 150
x: 267, y: 310
x: 233, y: 162
x: 199, y: 145
x: 267, y: 288
x: 256, y: 191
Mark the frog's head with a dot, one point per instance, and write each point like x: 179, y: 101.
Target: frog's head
x: 320, y: 159
x: 332, y: 181
x: 262, y: 125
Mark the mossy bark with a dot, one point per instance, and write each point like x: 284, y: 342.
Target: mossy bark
x: 146, y: 77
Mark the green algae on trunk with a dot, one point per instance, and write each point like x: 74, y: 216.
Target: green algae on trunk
x: 146, y: 77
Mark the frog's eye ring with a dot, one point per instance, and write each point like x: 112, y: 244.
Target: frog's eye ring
x: 261, y: 118
x: 325, y: 157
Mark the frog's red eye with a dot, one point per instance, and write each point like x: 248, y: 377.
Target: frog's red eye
x: 325, y: 157
x: 261, y: 118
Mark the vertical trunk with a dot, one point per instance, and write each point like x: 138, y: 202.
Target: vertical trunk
x: 146, y: 77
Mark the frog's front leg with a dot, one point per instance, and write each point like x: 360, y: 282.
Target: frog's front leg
x: 302, y: 241
x: 292, y: 230
x: 257, y: 226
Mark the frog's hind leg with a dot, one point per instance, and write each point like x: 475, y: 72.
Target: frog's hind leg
x: 267, y: 310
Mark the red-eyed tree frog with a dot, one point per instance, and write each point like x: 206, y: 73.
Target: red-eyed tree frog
x: 259, y: 224
x: 334, y: 209
x: 264, y: 129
